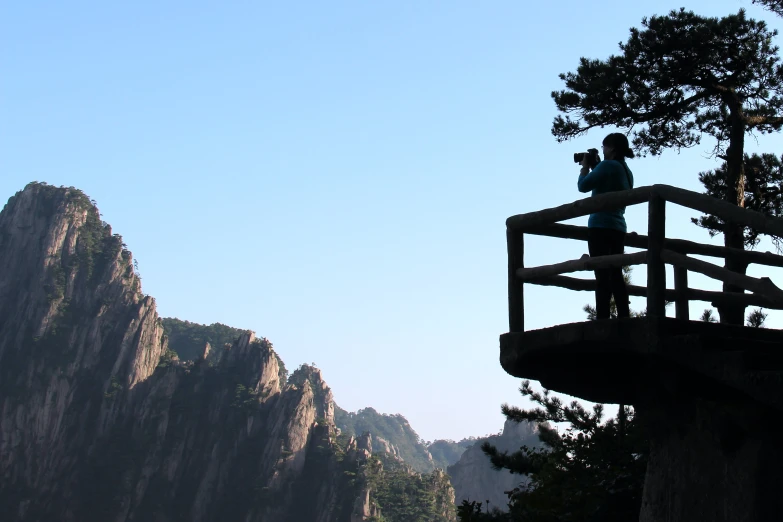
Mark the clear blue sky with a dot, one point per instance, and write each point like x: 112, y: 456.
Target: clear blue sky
x: 332, y: 175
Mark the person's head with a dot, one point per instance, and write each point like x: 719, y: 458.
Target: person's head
x: 616, y: 147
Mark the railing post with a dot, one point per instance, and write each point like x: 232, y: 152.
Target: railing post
x: 681, y: 289
x: 656, y: 269
x: 516, y: 287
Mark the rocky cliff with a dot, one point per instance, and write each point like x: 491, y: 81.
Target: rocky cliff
x: 474, y: 478
x: 101, y: 421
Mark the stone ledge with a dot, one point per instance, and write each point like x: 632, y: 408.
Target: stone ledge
x: 620, y: 361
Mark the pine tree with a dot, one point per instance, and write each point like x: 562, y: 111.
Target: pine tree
x: 472, y: 511
x: 708, y: 316
x: 681, y: 77
x: 776, y: 6
x: 593, y: 470
x: 755, y: 318
x: 763, y: 193
x: 763, y: 189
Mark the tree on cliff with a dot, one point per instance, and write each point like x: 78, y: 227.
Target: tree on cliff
x: 762, y: 187
x: 592, y: 470
x: 679, y: 78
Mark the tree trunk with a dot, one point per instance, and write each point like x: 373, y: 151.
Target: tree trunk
x: 735, y: 194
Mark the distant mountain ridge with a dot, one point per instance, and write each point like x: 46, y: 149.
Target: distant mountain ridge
x: 100, y: 419
x: 189, y: 341
x: 388, y: 434
x: 396, y: 431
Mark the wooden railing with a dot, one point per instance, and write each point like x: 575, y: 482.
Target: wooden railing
x: 658, y: 251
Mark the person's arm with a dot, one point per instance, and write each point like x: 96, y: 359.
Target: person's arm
x: 588, y: 182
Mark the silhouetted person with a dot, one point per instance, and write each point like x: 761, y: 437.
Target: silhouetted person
x: 606, y: 230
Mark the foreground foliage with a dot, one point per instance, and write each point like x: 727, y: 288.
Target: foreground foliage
x: 591, y: 470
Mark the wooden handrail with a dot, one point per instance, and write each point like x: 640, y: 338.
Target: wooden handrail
x: 581, y: 207
x: 613, y: 200
x: 658, y: 251
x: 681, y: 246
x: 763, y: 286
x: 692, y: 294
x: 721, y: 209
x: 584, y: 263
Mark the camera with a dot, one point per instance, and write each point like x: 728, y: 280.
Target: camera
x: 592, y: 157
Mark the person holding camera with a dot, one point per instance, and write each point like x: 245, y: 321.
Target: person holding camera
x: 606, y: 230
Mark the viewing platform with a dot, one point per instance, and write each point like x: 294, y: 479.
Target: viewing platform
x: 708, y: 394
x: 612, y: 360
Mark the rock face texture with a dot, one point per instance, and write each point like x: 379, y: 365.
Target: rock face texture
x: 385, y: 446
x: 99, y: 422
x: 473, y: 477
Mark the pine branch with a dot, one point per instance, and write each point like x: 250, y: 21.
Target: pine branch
x: 775, y: 6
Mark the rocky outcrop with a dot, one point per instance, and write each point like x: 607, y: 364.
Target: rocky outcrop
x: 364, y: 442
x: 367, y: 442
x: 387, y: 447
x: 443, y: 493
x: 474, y: 478
x: 393, y: 434
x: 100, y: 421
x: 364, y: 508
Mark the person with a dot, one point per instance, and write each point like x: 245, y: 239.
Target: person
x: 606, y: 230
